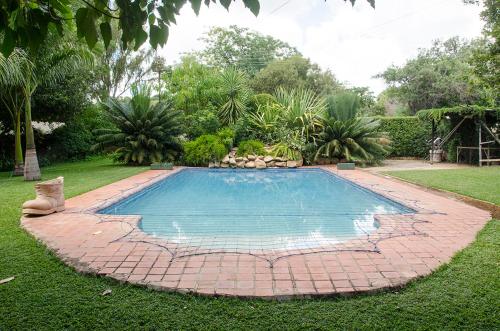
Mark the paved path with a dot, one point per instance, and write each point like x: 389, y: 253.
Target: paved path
x: 394, y: 165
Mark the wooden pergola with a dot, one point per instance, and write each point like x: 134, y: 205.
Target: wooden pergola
x: 487, y: 122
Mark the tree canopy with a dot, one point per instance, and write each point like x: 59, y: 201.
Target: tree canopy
x: 26, y: 23
x: 440, y: 76
x: 242, y: 48
x: 294, y: 72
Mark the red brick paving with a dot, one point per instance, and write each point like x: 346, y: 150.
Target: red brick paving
x: 441, y: 227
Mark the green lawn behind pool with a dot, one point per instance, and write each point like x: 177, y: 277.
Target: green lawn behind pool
x: 480, y: 183
x: 47, y: 295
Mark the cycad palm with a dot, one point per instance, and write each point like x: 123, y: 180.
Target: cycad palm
x: 353, y: 140
x: 144, y: 133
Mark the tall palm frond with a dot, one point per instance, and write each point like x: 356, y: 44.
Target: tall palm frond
x: 301, y: 109
x: 235, y: 94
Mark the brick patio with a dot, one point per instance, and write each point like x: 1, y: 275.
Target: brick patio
x: 403, y: 248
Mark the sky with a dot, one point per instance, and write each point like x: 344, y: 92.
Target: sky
x: 354, y: 42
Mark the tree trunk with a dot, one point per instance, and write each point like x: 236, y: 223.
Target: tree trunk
x: 18, y: 160
x: 31, y: 168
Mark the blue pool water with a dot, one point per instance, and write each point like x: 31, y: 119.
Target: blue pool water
x: 254, y: 209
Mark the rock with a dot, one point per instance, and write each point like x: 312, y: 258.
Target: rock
x: 300, y: 163
x: 260, y: 164
x: 279, y: 159
x: 241, y: 164
x: 250, y: 164
x: 245, y: 159
x: 251, y: 157
x: 260, y: 157
x: 239, y: 159
x: 291, y: 164
x: 281, y: 164
x: 214, y: 164
x: 232, y: 162
x: 271, y: 164
x: 225, y: 159
x: 268, y: 158
x: 224, y: 165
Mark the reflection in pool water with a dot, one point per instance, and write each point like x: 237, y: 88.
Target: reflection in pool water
x: 256, y: 209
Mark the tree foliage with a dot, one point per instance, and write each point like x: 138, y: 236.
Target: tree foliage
x: 295, y: 72
x: 242, y: 48
x: 438, y: 77
x: 118, y: 68
x: 26, y: 24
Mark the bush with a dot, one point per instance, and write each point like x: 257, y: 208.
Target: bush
x: 201, y: 122
x: 205, y: 149
x: 254, y: 147
x: 408, y: 134
x: 226, y: 136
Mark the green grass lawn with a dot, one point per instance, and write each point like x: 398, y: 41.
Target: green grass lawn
x: 480, y: 183
x: 48, y: 295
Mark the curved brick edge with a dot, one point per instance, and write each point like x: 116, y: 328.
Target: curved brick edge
x: 82, y: 240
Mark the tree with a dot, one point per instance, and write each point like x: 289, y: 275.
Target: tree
x: 145, y: 131
x: 58, y: 60
x: 242, y: 48
x: 118, y: 68
x: 438, y: 77
x: 193, y: 86
x: 25, y: 25
x: 295, y: 72
x: 235, y: 95
x: 12, y: 70
x: 486, y: 57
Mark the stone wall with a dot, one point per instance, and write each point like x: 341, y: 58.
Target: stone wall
x: 254, y: 161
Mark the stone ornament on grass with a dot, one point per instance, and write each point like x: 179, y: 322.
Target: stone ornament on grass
x: 49, y: 198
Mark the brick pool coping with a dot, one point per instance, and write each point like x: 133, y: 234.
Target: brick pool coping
x: 405, y: 246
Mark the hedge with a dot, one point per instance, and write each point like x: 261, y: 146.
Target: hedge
x: 409, y: 135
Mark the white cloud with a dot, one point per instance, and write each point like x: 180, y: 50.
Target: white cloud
x: 354, y: 42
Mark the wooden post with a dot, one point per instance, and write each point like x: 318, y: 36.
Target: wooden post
x: 480, y: 152
x: 431, y: 157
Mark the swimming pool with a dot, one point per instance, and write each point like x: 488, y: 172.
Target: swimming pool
x: 256, y: 209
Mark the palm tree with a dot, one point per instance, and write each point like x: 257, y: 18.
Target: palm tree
x: 347, y: 137
x: 145, y: 132
x: 52, y: 63
x: 235, y: 95
x: 353, y: 140
x: 12, y: 70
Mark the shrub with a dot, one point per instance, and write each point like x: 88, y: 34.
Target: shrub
x: 286, y: 151
x: 352, y: 140
x: 408, y: 134
x: 201, y: 122
x: 145, y: 132
x: 254, y: 147
x: 226, y: 136
x: 206, y: 148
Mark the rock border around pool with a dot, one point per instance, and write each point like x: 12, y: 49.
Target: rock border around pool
x: 251, y: 161
x: 93, y: 243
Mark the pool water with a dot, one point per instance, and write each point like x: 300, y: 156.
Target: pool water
x: 256, y: 209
